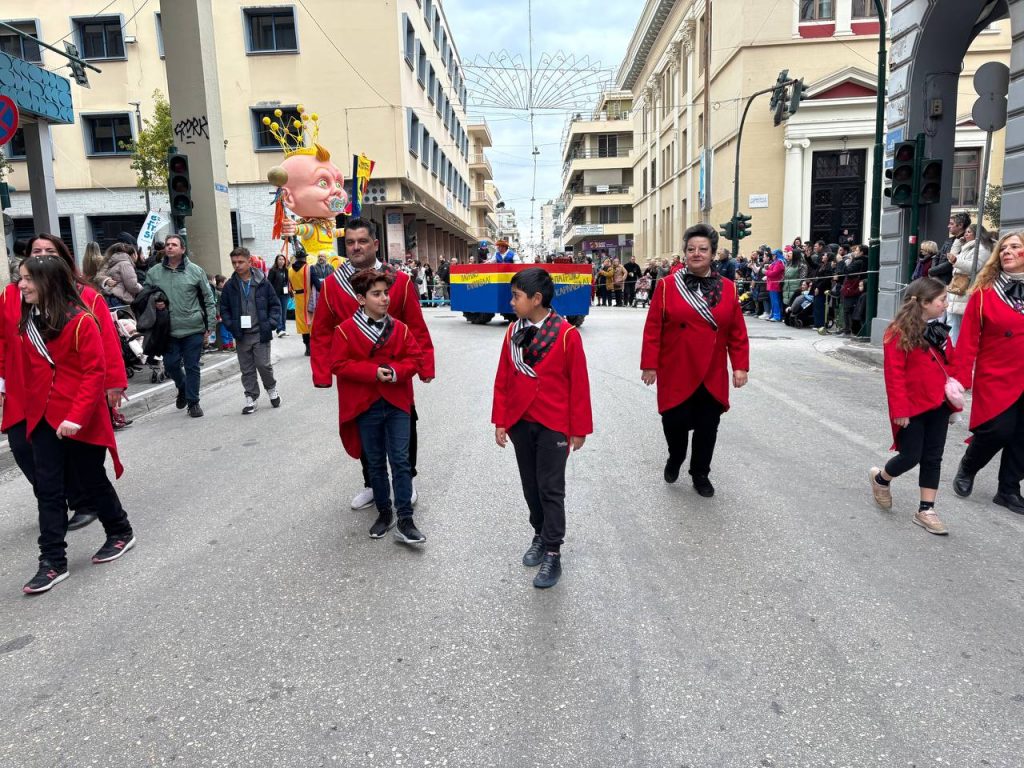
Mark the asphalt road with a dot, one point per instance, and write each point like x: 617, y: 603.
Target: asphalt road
x: 786, y: 622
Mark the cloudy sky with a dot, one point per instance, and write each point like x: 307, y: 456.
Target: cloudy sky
x: 598, y: 29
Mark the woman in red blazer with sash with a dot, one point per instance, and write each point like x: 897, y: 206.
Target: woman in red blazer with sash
x: 60, y: 384
x: 694, y: 329
x: 990, y: 354
x: 116, y: 379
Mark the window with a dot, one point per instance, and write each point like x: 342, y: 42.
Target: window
x: 654, y: 173
x: 435, y: 158
x: 271, y: 30
x: 966, y: 169
x: 424, y: 146
x: 421, y: 66
x: 159, y: 34
x: 437, y: 30
x: 864, y: 9
x: 410, y: 42
x: 607, y: 145
x: 428, y: 8
x: 818, y: 10
x: 645, y: 181
x: 17, y: 46
x: 414, y: 134
x: 431, y: 83
x: 701, y: 34
x: 100, y: 37
x: 264, y: 138
x: 108, y: 134
x: 607, y: 215
x: 15, y: 148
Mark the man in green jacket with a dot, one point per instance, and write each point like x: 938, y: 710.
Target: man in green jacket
x: 193, y: 318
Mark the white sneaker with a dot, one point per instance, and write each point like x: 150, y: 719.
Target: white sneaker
x: 415, y: 496
x: 363, y: 499
x: 275, y: 398
x: 763, y: 317
x: 249, y: 407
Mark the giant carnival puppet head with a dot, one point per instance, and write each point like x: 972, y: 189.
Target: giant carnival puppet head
x: 308, y: 183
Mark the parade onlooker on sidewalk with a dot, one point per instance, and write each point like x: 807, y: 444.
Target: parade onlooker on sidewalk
x: 542, y: 402
x: 853, y: 287
x: 250, y: 309
x: 605, y: 283
x: 633, y: 273
x: 118, y: 278
x: 193, y: 318
x: 725, y: 265
x: 973, y: 256
x: 618, y: 281
x: 92, y: 264
x: 61, y: 383
x: 773, y: 274
x: 958, y: 224
x: 991, y: 363
x: 278, y: 278
x: 694, y: 329
x: 444, y: 274
x: 918, y: 354
x: 375, y: 358
x: 823, y: 282
x: 791, y: 279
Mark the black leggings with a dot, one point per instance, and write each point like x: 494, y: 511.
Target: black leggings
x: 700, y: 414
x: 1003, y: 433
x: 922, y: 442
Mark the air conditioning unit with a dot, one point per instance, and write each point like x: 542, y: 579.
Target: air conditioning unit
x: 129, y: 39
x: 247, y: 231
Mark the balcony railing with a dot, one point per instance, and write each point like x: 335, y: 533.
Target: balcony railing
x: 600, y: 189
x: 481, y: 198
x: 482, y: 160
x: 593, y: 154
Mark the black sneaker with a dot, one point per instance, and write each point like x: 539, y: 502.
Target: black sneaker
x: 703, y: 486
x: 114, y: 547
x: 195, y: 411
x: 80, y: 520
x: 408, y: 533
x: 180, y: 402
x: 47, y: 575
x: 385, y: 522
x: 534, y: 554
x: 671, y: 471
x: 1012, y: 501
x: 550, y: 571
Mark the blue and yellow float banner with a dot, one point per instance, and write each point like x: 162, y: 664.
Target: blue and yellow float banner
x: 487, y: 287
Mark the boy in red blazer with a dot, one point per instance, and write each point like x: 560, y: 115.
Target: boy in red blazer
x: 542, y: 402
x: 375, y: 357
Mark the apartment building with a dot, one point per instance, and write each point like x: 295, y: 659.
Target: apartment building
x: 598, y: 179
x: 394, y: 91
x: 482, y: 204
x: 807, y: 177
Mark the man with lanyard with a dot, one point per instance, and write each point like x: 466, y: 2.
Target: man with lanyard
x: 337, y: 303
x: 503, y: 255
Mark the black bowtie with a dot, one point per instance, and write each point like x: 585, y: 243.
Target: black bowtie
x: 693, y: 282
x: 376, y: 323
x: 524, y: 336
x: 936, y: 334
x: 1015, y: 290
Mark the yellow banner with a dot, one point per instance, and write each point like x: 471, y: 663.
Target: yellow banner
x: 479, y: 278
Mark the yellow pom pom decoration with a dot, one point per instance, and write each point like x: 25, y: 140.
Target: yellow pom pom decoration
x: 297, y: 125
x: 266, y: 121
x: 300, y: 109
x: 274, y: 126
x: 277, y: 113
x: 315, y: 116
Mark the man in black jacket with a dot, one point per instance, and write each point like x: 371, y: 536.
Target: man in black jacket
x: 633, y: 273
x: 250, y: 310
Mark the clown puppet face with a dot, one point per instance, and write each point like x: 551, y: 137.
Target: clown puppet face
x: 315, y: 188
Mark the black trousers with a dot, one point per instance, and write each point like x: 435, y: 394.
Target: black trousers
x: 541, y: 454
x: 1003, y: 433
x: 629, y: 292
x: 61, y: 463
x: 413, y: 445
x: 922, y: 442
x: 699, y: 414
x: 21, y: 449
x: 850, y: 304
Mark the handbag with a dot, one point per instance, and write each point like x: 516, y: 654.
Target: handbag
x: 954, y: 390
x: 959, y: 284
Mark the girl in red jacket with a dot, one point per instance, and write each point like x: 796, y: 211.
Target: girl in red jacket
x: 375, y: 358
x: 542, y: 402
x: 60, y: 384
x: 918, y: 354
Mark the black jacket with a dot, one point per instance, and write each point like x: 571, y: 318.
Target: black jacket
x: 268, y: 306
x: 278, y: 280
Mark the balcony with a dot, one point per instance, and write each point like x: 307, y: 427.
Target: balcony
x: 596, y: 160
x: 600, y: 195
x: 479, y: 131
x: 481, y: 200
x: 576, y: 232
x: 482, y: 165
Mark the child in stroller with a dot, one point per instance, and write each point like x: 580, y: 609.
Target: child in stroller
x: 643, y: 291
x: 800, y: 312
x: 131, y: 340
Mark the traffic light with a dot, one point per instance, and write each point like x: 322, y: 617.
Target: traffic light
x: 729, y: 230
x: 799, y: 92
x: 742, y: 224
x: 179, y: 187
x: 77, y: 70
x: 5, y: 195
x: 902, y: 174
x: 930, y: 185
x: 779, y: 93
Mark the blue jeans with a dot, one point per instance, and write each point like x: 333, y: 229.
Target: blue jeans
x: 776, y: 297
x: 181, y: 361
x: 284, y: 311
x: 384, y: 431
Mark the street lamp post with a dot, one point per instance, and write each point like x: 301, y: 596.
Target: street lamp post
x: 875, y: 244
x: 145, y: 171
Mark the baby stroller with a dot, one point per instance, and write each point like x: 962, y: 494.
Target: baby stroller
x: 801, y: 318
x: 131, y: 340
x: 643, y: 291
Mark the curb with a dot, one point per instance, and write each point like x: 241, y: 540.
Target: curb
x: 860, y: 352
x: 152, y: 399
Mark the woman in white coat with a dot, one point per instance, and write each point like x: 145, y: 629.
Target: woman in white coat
x: 973, y: 247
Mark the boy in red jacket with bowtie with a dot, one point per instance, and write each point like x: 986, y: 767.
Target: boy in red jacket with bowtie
x: 542, y: 402
x: 375, y: 357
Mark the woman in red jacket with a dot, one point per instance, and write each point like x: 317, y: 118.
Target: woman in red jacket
x: 116, y: 379
x: 694, y: 327
x: 60, y: 384
x: 773, y: 274
x: 990, y: 352
x: 918, y: 354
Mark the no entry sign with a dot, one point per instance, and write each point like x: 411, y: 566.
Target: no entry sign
x: 8, y: 118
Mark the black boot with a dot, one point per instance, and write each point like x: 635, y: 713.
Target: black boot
x: 703, y: 486
x: 963, y: 483
x: 305, y: 340
x: 1012, y: 501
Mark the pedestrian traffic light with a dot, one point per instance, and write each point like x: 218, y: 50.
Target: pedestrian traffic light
x: 729, y: 230
x: 179, y: 187
x: 799, y: 92
x: 930, y: 185
x: 902, y: 174
x: 742, y: 224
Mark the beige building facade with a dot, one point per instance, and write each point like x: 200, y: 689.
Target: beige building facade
x: 391, y: 87
x: 809, y: 177
x: 598, y: 179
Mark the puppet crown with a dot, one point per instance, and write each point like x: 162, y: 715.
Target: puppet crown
x: 299, y: 138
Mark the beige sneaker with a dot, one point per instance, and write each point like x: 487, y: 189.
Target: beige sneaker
x: 930, y: 522
x: 882, y: 493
